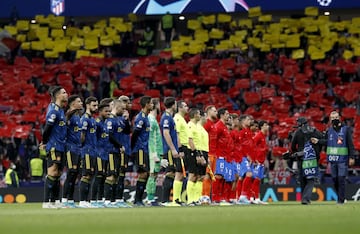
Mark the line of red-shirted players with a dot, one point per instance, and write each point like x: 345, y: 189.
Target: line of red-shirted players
x: 238, y: 142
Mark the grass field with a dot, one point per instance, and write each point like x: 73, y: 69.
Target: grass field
x: 281, y: 217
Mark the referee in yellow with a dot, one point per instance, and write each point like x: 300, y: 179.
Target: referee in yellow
x: 182, y: 131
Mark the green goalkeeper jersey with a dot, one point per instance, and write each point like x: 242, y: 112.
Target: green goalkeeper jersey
x: 155, y: 140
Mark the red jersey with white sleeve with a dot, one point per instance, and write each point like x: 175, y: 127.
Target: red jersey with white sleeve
x: 261, y: 147
x: 222, y: 137
x: 237, y: 155
x: 247, y: 143
x: 210, y: 128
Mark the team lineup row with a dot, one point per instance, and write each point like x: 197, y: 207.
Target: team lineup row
x: 219, y: 153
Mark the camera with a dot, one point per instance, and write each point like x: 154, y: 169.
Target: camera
x: 297, y: 155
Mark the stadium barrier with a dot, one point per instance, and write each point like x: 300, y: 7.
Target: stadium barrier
x: 270, y: 193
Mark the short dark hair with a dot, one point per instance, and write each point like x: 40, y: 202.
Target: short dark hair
x: 242, y: 117
x: 262, y: 123
x: 169, y: 102
x: 221, y: 111
x: 180, y: 103
x: 90, y: 100
x: 193, y: 112
x: 103, y: 105
x: 106, y: 101
x: 144, y: 100
x: 72, y: 98
x: 53, y: 90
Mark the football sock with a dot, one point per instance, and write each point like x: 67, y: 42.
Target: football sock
x: 177, y: 187
x: 256, y: 187
x: 84, y: 189
x: 167, y: 186
x: 190, y: 191
x: 151, y: 188
x: 206, y: 187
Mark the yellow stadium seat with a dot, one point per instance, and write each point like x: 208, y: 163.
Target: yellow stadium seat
x: 100, y: 24
x: 116, y: 39
x: 185, y: 39
x: 37, y: 45
x: 49, y: 44
x: 75, y: 44
x: 317, y: 55
x: 115, y: 20
x: 26, y: 45
x: 41, y: 19
x: 42, y: 32
x: 254, y: 11
x: 193, y: 24
x: 265, y: 18
x: 201, y: 35
x: 278, y: 45
x: 71, y: 31
x: 129, y: 26
x: 357, y: 51
x: 21, y: 37
x: 298, y: 54
x: 265, y: 48
x: 216, y: 33
x: 106, y: 41
x: 97, y: 55
x: 61, y: 46
x: 312, y: 11
x: 110, y: 31
x: 223, y: 18
x: 245, y: 22
x: 210, y: 19
x: 55, y: 33
x: 91, y: 44
x: 51, y: 54
x: 348, y: 54
x: 11, y: 29
x: 81, y: 53
x: 22, y: 25
x: 121, y: 27
x: 311, y: 28
x: 132, y: 17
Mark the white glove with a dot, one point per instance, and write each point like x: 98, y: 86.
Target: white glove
x: 164, y: 163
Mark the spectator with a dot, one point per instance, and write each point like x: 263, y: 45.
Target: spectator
x: 36, y: 169
x: 11, y: 177
x: 167, y: 25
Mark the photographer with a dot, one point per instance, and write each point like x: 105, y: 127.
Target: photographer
x: 340, y: 152
x: 307, y: 155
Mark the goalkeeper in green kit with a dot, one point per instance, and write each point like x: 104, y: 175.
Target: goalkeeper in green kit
x: 155, y: 152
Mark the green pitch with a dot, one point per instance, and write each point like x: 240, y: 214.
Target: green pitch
x: 281, y: 217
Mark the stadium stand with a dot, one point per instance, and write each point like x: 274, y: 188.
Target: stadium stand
x: 272, y: 70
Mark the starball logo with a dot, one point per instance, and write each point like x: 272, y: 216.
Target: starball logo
x: 324, y: 2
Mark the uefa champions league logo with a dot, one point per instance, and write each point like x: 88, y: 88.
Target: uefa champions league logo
x: 324, y: 2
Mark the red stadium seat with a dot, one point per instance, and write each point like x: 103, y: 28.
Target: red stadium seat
x: 242, y: 83
x: 274, y: 79
x: 154, y: 93
x: 241, y: 69
x: 165, y: 55
x: 258, y: 75
x: 267, y: 93
x: 252, y: 98
x: 348, y: 113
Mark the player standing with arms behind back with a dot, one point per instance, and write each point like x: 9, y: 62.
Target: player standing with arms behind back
x: 140, y: 147
x: 54, y: 139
